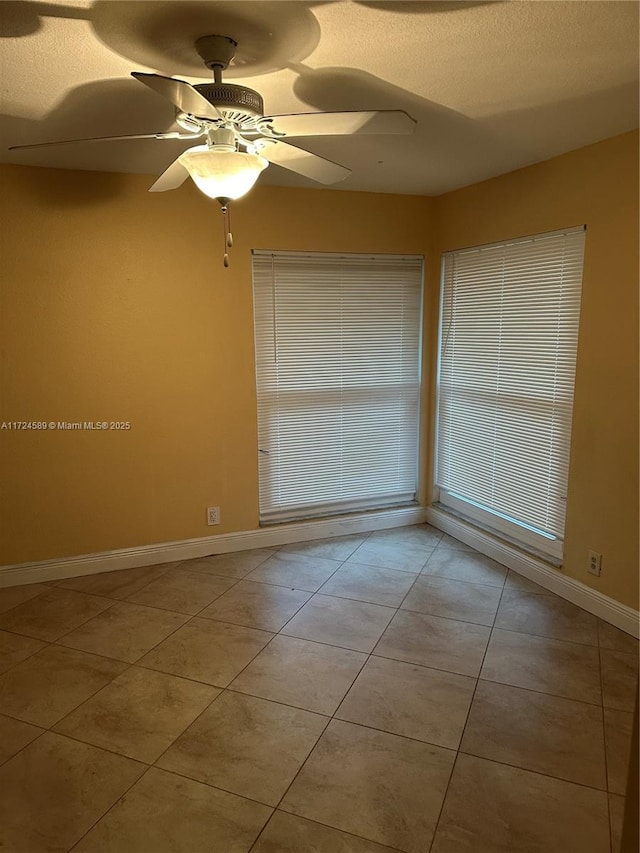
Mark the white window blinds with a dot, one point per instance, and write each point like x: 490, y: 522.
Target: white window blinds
x: 337, y: 367
x: 509, y: 332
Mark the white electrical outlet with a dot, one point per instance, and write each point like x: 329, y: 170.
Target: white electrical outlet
x: 595, y: 563
x: 213, y: 515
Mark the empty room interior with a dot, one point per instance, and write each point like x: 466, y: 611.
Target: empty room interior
x: 319, y: 426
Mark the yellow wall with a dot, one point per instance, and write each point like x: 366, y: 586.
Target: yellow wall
x: 596, y: 186
x: 116, y: 306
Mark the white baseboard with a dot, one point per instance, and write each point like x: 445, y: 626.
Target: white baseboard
x: 536, y: 570
x: 188, y: 549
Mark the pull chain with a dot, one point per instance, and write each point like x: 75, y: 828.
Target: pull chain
x: 228, y: 236
x: 226, y: 225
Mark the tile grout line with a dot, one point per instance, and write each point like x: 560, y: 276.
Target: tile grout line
x: 312, y: 592
x: 154, y: 763
x: 424, y: 565
x: 108, y: 749
x: 46, y: 588
x: 604, y: 741
x: 329, y: 720
x: 30, y: 655
x: 37, y: 737
x: 116, y: 601
x: 228, y: 688
x: 473, y: 696
x: 547, y: 637
x: 278, y: 810
x: 64, y: 634
x: 92, y: 746
x: 49, y: 729
x: 369, y: 655
x: 221, y: 689
x: 540, y: 692
x: 112, y: 806
x: 80, y: 592
x: 97, y: 575
x: 180, y: 774
x: 128, y: 666
x: 536, y: 772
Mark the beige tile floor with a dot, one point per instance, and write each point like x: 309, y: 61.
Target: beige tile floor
x: 386, y: 692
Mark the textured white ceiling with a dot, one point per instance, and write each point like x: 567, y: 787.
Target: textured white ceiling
x: 493, y: 85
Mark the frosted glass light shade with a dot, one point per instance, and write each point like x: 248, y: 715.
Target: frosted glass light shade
x: 222, y: 174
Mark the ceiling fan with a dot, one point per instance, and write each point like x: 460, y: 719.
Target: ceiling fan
x: 237, y: 140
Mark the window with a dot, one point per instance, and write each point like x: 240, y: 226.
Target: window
x: 508, y: 338
x: 338, y: 381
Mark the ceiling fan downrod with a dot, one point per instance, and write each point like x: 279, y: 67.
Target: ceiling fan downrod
x: 216, y: 53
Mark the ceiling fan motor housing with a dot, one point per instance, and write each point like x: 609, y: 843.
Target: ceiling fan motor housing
x: 237, y: 103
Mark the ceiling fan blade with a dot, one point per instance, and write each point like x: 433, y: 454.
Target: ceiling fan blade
x: 171, y: 178
x: 302, y: 162
x: 104, y: 139
x: 343, y: 123
x: 180, y: 93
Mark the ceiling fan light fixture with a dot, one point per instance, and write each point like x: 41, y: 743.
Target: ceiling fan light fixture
x: 222, y: 174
